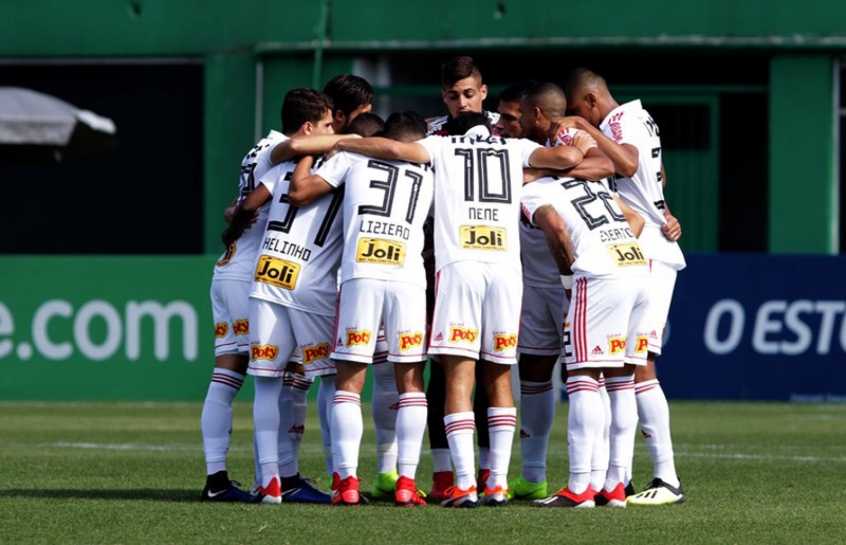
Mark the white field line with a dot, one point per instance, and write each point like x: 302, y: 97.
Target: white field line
x: 319, y: 448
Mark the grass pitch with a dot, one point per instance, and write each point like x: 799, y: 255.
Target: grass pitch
x: 132, y: 473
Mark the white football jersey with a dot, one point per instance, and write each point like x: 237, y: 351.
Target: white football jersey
x: 237, y: 261
x: 603, y: 243
x: 301, y: 248
x: 644, y: 192
x: 438, y: 126
x: 478, y: 182
x: 385, y: 205
x: 539, y: 267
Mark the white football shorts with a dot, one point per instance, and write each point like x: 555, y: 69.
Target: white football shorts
x: 542, y: 320
x: 606, y: 323
x: 477, y: 311
x: 662, y: 282
x: 278, y: 331
x: 366, y: 304
x: 230, y: 311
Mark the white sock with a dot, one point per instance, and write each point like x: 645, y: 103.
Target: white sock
x: 623, y: 428
x: 411, y: 425
x: 441, y: 460
x: 385, y: 399
x: 484, y: 458
x: 347, y: 429
x: 299, y: 402
x: 537, y: 411
x: 584, y: 422
x: 655, y: 422
x: 216, y: 419
x: 325, y: 395
x: 601, y: 446
x: 459, y: 431
x: 502, y: 422
x: 285, y: 448
x: 266, y: 423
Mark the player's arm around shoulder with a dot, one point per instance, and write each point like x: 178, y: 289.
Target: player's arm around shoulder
x: 623, y: 156
x: 386, y: 149
x: 305, y: 187
x: 306, y: 144
x: 557, y: 237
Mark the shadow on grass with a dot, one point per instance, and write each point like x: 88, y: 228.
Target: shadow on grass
x: 143, y: 494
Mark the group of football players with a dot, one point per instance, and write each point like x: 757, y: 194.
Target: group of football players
x: 467, y: 243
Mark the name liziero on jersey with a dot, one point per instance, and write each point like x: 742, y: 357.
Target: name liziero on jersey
x: 379, y: 250
x: 483, y: 237
x: 627, y: 255
x: 277, y: 272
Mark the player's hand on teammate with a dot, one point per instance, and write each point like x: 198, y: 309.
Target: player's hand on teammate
x: 672, y: 229
x: 563, y: 123
x: 583, y: 141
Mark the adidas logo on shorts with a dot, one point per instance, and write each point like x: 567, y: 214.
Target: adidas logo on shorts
x: 597, y: 351
x: 439, y: 337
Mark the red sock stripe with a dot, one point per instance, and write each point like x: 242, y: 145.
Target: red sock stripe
x: 602, y: 382
x: 302, y: 384
x: 620, y: 386
x: 340, y: 398
x: 227, y: 380
x: 287, y: 379
x: 460, y: 425
x: 644, y: 387
x: 582, y: 386
x: 535, y: 389
x: 413, y: 402
x: 505, y: 420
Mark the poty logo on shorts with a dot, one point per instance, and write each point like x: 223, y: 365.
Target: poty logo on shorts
x: 241, y: 327
x: 312, y: 353
x: 264, y: 352
x: 505, y: 341
x: 616, y: 345
x: 358, y: 337
x: 462, y: 334
x: 220, y: 330
x: 642, y: 345
x: 408, y: 341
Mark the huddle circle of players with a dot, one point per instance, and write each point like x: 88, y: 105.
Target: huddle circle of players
x: 473, y: 241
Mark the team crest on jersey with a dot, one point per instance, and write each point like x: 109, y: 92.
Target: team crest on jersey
x: 505, y: 341
x: 462, y: 334
x: 483, y: 237
x: 616, y: 345
x: 263, y: 352
x: 642, y: 345
x: 564, y: 137
x: 312, y: 353
x: 241, y: 327
x: 626, y: 255
x: 407, y: 341
x: 227, y: 257
x: 358, y: 338
x: 379, y: 250
x: 220, y: 329
x: 277, y: 272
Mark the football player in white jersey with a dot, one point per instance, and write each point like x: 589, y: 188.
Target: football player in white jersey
x: 292, y: 295
x: 545, y: 304
x: 462, y: 90
x: 597, y: 251
x: 383, y: 279
x: 478, y: 180
x: 630, y: 138
x: 230, y: 295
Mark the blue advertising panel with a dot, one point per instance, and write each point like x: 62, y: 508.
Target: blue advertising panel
x: 757, y: 327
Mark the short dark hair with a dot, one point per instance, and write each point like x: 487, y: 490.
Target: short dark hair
x: 405, y: 126
x: 549, y: 97
x: 582, y: 78
x: 457, y: 69
x: 516, y: 91
x: 366, y: 124
x: 348, y: 92
x: 463, y: 122
x: 303, y: 105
